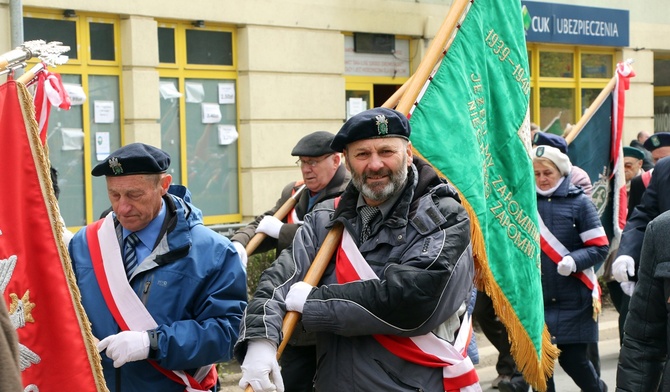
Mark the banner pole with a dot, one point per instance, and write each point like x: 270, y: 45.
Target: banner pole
x: 577, y: 128
x: 437, y: 47
x: 281, y: 213
x: 332, y: 240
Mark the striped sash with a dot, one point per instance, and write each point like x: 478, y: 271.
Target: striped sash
x: 427, y: 350
x: 555, y: 250
x: 128, y: 311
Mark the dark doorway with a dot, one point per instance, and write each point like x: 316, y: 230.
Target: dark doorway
x: 383, y: 92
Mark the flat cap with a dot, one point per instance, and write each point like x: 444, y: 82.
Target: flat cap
x: 549, y: 139
x: 314, y: 144
x: 633, y: 152
x: 660, y: 139
x: 373, y: 123
x: 135, y: 158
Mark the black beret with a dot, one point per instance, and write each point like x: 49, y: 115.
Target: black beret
x: 314, y: 145
x: 135, y: 158
x: 549, y: 139
x: 660, y: 139
x: 633, y: 152
x: 373, y: 123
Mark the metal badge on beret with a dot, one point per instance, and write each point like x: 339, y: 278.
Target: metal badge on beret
x: 536, y: 138
x: 116, y: 166
x: 382, y: 124
x: 655, y: 141
x: 539, y: 151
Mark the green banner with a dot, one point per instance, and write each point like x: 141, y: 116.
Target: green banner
x: 472, y: 125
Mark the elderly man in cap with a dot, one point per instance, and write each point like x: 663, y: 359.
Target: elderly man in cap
x: 323, y: 177
x: 655, y: 200
x: 647, y: 161
x: 164, y: 294
x: 395, y: 292
x: 636, y: 179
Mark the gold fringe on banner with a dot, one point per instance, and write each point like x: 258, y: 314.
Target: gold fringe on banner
x: 523, y: 350
x: 41, y: 156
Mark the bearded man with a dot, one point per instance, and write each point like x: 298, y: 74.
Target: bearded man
x: 396, y: 289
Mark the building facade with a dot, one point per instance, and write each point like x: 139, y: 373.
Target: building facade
x: 228, y: 87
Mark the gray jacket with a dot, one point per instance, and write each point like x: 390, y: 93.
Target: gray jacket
x: 422, y: 255
x: 334, y: 188
x: 644, y: 351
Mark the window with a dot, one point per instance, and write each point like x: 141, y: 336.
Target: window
x: 209, y: 47
x: 77, y: 138
x: 50, y: 30
x: 102, y: 41
x: 565, y: 81
x: 199, y: 115
x: 597, y: 65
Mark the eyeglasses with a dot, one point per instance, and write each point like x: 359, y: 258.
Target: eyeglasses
x: 312, y: 162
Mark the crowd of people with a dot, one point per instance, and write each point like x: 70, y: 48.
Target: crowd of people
x: 167, y: 296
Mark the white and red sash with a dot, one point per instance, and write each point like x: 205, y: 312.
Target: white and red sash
x: 124, y: 304
x: 426, y: 350
x: 555, y: 250
x: 292, y: 216
x: 646, y: 177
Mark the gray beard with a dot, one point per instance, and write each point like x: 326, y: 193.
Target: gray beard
x: 398, y: 179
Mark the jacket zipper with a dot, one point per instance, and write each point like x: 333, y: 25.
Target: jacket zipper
x: 145, y: 291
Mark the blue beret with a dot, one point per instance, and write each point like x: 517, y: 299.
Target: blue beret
x: 551, y: 140
x: 660, y: 139
x: 314, y: 145
x: 373, y: 123
x: 135, y: 158
x: 633, y: 152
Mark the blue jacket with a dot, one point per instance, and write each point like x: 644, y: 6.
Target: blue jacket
x: 194, y: 288
x: 568, y: 309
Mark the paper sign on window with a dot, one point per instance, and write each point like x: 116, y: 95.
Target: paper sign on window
x: 102, y: 149
x: 76, y: 93
x: 227, y: 134
x: 103, y: 112
x: 168, y: 90
x: 226, y: 93
x: 211, y: 113
x: 195, y: 92
x: 73, y: 139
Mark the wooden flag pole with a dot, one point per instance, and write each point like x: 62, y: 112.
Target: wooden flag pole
x: 577, y: 128
x: 332, y: 240
x: 313, y: 276
x: 30, y: 74
x: 437, y: 47
x: 281, y: 213
x: 395, y: 98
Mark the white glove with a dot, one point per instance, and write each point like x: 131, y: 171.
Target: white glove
x: 622, y: 267
x: 126, y: 346
x: 260, y: 368
x: 297, y: 295
x: 567, y: 266
x: 627, y: 288
x: 241, y: 251
x: 270, y: 226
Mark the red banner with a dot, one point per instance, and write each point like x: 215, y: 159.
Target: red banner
x: 36, y: 278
